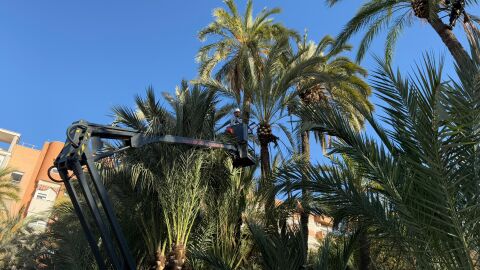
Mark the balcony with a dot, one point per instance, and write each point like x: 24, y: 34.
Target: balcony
x: 8, y: 139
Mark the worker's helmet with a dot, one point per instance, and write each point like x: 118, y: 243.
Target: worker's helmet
x: 236, y: 110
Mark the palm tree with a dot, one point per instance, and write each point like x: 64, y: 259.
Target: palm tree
x: 65, y: 241
x: 395, y: 15
x: 349, y: 93
x: 270, y: 93
x: 14, y: 233
x: 196, y: 111
x: 240, y: 44
x: 13, y: 229
x: 8, y: 190
x: 279, y: 249
x: 173, y: 175
x: 345, y: 94
x: 418, y: 201
x: 180, y: 197
x: 222, y: 242
x: 337, y: 252
x: 145, y: 230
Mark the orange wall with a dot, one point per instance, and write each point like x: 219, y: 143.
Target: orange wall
x: 23, y: 159
x: 34, y: 164
x: 50, y: 151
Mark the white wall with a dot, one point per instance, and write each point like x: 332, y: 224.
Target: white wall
x: 41, y: 205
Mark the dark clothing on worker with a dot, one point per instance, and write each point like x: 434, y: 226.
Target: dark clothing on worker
x: 235, y: 121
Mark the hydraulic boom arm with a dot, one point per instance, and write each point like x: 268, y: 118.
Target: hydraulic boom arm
x: 76, y: 156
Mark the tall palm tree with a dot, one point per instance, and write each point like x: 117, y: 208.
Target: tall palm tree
x: 272, y: 90
x: 395, y: 15
x: 270, y: 93
x: 348, y: 93
x: 240, y: 43
x: 419, y: 200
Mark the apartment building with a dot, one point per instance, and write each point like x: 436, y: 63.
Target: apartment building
x: 30, y: 172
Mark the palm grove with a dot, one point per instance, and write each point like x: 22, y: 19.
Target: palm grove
x: 404, y: 196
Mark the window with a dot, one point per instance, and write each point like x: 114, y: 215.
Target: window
x: 17, y: 177
x: 41, y: 196
x: 4, y: 146
x: 39, y: 224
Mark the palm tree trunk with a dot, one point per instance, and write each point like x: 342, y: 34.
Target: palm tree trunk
x: 450, y: 40
x: 159, y: 260
x: 304, y: 214
x: 176, y: 258
x: 364, y: 251
x: 246, y: 111
x: 265, y: 162
x: 266, y: 184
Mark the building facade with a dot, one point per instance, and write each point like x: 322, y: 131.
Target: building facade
x: 318, y: 228
x: 29, y: 166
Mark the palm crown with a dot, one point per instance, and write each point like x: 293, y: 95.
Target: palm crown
x: 396, y: 15
x: 241, y: 43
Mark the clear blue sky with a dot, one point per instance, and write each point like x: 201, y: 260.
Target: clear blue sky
x: 61, y: 61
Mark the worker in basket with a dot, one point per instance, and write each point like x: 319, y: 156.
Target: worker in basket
x: 235, y: 120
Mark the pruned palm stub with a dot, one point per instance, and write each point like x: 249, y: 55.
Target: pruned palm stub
x: 265, y: 135
x: 420, y: 8
x: 314, y: 94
